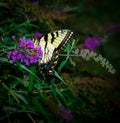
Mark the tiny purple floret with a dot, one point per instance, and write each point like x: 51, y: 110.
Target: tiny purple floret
x: 38, y: 35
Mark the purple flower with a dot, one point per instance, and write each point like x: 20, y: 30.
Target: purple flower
x: 15, y: 52
x: 26, y: 52
x: 26, y: 61
x: 26, y: 43
x: 9, y: 54
x: 14, y: 58
x: 38, y: 52
x: 66, y: 114
x: 20, y: 56
x: 22, y: 42
x: 92, y: 42
x: 38, y: 35
x: 13, y: 37
x: 33, y: 59
x: 30, y: 44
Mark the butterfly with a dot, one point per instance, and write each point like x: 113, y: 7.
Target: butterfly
x: 51, y: 44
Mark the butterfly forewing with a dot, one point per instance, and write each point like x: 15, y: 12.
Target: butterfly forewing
x: 57, y: 38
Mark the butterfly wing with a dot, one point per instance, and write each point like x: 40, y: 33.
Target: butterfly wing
x: 48, y: 68
x: 51, y: 44
x: 58, y: 38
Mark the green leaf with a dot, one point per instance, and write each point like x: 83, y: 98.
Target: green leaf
x: 68, y: 48
x: 39, y: 107
x: 62, y: 96
x: 73, y: 43
x: 17, y: 81
x: 5, y: 60
x: 72, y: 62
x: 53, y: 89
x: 26, y: 69
x: 31, y: 77
x: 20, y: 96
x: 27, y: 36
x: 59, y: 77
x: 63, y: 63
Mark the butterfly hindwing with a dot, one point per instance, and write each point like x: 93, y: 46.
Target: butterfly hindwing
x: 48, y: 68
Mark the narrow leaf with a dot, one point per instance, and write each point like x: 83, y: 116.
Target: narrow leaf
x: 63, y: 63
x: 39, y: 107
x: 20, y: 96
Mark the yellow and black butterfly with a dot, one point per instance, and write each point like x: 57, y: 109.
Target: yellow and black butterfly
x: 51, y: 44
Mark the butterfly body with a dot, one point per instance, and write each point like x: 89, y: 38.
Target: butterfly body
x: 51, y: 44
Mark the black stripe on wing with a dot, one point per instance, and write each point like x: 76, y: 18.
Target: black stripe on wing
x: 53, y: 37
x: 46, y: 40
x: 57, y: 33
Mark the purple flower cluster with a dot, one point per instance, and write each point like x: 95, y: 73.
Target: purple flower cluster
x: 26, y: 52
x: 92, y: 42
x: 66, y: 114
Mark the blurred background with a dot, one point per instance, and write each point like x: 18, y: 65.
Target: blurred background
x: 91, y: 93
